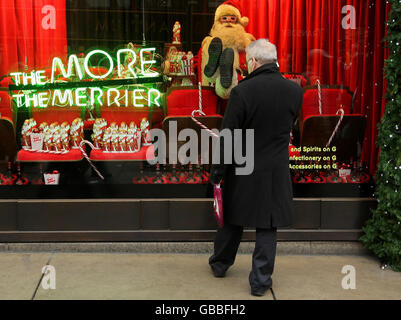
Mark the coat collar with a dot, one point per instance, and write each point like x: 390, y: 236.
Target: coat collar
x: 266, y: 68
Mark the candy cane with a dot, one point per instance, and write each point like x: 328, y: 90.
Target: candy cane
x: 201, y: 113
x: 87, y: 158
x: 319, y: 91
x: 204, y: 127
x: 338, y: 125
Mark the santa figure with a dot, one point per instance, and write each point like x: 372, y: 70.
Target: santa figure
x: 26, y: 134
x: 47, y: 139
x: 56, y: 140
x: 145, y: 132
x: 115, y: 140
x: 76, y: 132
x: 177, y: 33
x: 65, y: 136
x: 130, y: 140
x: 97, y: 136
x: 223, y: 50
x: 106, y: 143
x: 123, y: 136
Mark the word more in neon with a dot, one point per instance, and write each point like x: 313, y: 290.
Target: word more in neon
x: 38, y: 77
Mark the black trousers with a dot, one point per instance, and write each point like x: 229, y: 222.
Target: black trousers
x: 225, y: 250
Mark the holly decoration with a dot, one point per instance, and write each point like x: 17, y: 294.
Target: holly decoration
x: 383, y: 230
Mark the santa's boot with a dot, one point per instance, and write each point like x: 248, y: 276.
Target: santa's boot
x: 222, y: 92
x: 214, y: 50
x: 226, y: 68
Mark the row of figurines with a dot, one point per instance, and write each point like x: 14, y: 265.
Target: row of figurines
x: 121, y: 138
x: 54, y: 137
x: 64, y: 137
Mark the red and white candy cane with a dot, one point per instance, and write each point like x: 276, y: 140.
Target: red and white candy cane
x: 319, y: 91
x: 201, y: 113
x: 87, y: 158
x: 203, y: 126
x: 340, y: 111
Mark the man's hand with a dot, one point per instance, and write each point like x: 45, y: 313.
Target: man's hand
x: 216, y: 174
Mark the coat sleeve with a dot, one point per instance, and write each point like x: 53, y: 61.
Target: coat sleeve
x: 233, y: 119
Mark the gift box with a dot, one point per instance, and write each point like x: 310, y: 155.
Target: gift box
x: 344, y: 173
x: 52, y: 178
x: 186, y: 67
x: 37, y: 141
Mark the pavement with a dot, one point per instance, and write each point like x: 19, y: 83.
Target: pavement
x: 180, y: 276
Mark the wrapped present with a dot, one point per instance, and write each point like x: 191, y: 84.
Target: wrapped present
x: 52, y: 178
x: 37, y: 140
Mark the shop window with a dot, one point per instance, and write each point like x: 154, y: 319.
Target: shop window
x: 96, y: 78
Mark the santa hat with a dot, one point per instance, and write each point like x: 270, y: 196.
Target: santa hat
x: 231, y: 8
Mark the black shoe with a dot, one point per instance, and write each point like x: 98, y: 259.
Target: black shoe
x: 256, y: 289
x: 258, y: 292
x: 218, y: 274
x: 215, y: 49
x: 226, y: 68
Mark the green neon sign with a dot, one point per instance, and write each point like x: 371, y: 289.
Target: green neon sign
x: 85, y: 95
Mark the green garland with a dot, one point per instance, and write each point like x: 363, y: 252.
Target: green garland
x: 383, y: 231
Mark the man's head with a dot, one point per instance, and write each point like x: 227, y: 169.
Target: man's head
x: 260, y: 52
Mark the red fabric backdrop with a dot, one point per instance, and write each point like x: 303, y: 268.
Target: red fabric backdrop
x: 23, y: 39
x: 310, y: 39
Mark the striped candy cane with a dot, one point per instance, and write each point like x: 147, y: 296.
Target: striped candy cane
x: 340, y: 111
x: 201, y: 113
x: 87, y: 158
x: 319, y: 91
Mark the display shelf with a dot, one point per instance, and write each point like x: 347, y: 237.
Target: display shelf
x: 29, y: 156
x: 146, y: 153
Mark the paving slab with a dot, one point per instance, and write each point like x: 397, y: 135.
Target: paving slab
x: 20, y: 274
x: 188, y: 277
x: 146, y: 276
x: 320, y: 277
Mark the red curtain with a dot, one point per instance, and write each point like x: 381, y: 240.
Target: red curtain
x: 310, y: 39
x: 32, y: 32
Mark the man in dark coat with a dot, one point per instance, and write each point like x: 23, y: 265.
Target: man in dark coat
x: 269, y: 104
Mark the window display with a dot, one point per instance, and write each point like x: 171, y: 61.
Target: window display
x: 83, y: 86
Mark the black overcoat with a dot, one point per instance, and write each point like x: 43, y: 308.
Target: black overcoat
x: 269, y: 104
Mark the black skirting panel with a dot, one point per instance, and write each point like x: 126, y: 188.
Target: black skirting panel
x: 165, y: 220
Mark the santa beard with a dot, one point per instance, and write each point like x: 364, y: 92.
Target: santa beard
x: 232, y: 35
